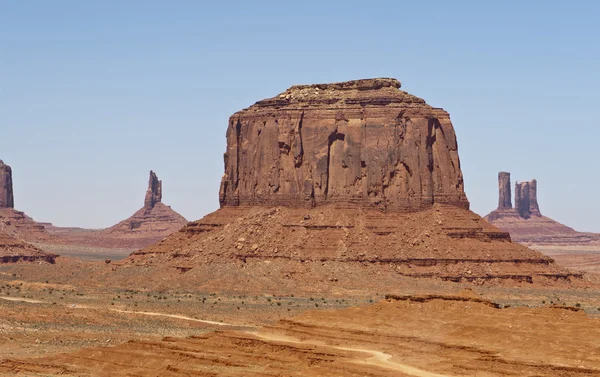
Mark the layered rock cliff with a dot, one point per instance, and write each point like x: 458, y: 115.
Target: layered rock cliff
x: 364, y: 142
x: 13, y: 250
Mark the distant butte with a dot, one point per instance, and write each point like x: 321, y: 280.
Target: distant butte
x: 149, y: 224
x: 527, y: 225
x: 16, y: 223
x: 524, y: 222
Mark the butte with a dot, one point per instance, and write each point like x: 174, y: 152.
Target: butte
x: 343, y: 185
x: 527, y: 225
x: 148, y: 225
x: 15, y: 227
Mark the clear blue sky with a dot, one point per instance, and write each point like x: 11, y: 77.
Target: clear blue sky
x: 94, y: 94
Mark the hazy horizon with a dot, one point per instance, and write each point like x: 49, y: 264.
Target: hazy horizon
x: 95, y: 95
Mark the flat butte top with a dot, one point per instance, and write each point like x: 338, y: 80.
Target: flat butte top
x: 376, y: 92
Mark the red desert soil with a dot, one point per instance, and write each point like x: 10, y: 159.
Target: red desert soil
x: 426, y: 336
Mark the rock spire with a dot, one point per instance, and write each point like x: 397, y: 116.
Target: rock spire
x: 154, y: 192
x: 6, y: 186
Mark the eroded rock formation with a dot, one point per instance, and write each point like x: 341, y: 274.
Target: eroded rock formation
x: 149, y: 224
x: 337, y: 177
x: 154, y: 192
x: 504, y: 198
x: 527, y: 225
x: 364, y: 142
x: 526, y: 203
x: 6, y: 186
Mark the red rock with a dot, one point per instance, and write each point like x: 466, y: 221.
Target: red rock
x: 351, y: 179
x: 6, y: 186
x: 149, y: 224
x: 16, y: 223
x: 13, y: 250
x: 364, y: 142
x: 154, y: 192
x: 528, y: 226
x: 504, y: 199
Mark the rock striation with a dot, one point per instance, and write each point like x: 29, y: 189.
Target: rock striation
x: 363, y: 142
x: 343, y: 181
x: 13, y: 250
x: 6, y: 186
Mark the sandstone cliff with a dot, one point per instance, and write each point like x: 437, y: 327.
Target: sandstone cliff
x: 365, y: 142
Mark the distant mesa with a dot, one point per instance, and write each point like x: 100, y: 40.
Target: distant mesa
x: 351, y: 182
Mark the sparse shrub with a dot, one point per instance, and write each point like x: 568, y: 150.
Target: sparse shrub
x: 316, y: 305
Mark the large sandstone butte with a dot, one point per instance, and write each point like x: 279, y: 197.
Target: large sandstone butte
x: 149, y: 224
x: 336, y: 185
x: 365, y: 142
x: 528, y: 226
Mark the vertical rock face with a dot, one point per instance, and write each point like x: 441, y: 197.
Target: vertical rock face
x: 522, y: 199
x: 363, y: 142
x: 504, y: 198
x: 154, y: 192
x: 6, y: 186
x: 534, y: 208
x: 526, y: 202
